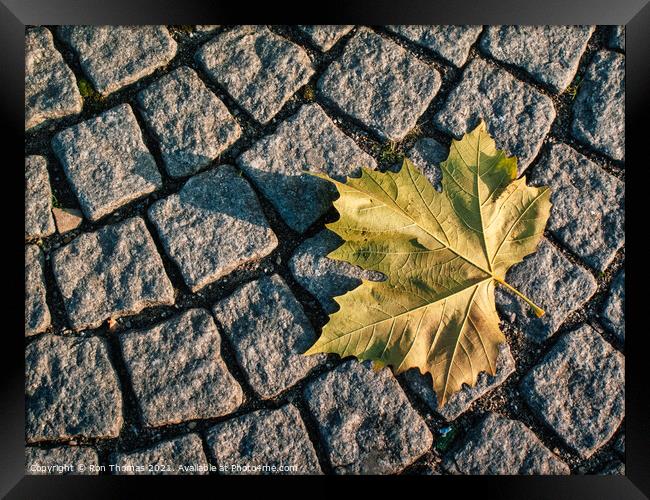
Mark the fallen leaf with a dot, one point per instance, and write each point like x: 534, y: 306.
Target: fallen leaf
x: 442, y: 254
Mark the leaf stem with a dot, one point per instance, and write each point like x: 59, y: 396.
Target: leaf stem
x: 539, y: 312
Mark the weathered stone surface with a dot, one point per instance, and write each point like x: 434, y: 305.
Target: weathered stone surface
x: 550, y: 54
x: 67, y: 219
x: 179, y: 456
x: 322, y: 277
x: 452, y: 43
x: 498, y: 445
x: 552, y: 282
x: 258, y: 68
x: 517, y: 115
x: 115, y: 271
x: 37, y: 314
x: 65, y: 460
x: 599, y: 108
x: 380, y: 84
x: 427, y: 154
x: 269, y: 331
x: 213, y: 225
x: 578, y: 390
x: 107, y: 162
x: 460, y: 402
x: 71, y: 390
x: 324, y: 36
x: 588, y: 211
x: 365, y: 420
x: 115, y: 56
x: 50, y: 86
x: 177, y: 372
x: 190, y: 123
x: 613, y: 314
x: 206, y: 28
x: 615, y: 468
x: 264, y: 442
x: 306, y: 141
x: 38, y: 199
x: 619, y: 445
x: 617, y: 37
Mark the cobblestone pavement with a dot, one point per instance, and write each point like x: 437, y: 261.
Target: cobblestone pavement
x: 175, y: 262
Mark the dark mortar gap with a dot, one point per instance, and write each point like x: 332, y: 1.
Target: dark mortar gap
x: 314, y: 435
x: 428, y: 464
x: 319, y: 58
x: 207, y: 451
x: 132, y: 423
x: 423, y: 53
x: 58, y: 314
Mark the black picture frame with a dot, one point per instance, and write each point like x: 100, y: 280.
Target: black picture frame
x: 16, y: 14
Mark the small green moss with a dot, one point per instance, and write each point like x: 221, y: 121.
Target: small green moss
x: 572, y: 90
x: 390, y: 153
x: 309, y: 93
x: 55, y: 202
x: 414, y: 132
x: 88, y: 93
x: 445, y: 437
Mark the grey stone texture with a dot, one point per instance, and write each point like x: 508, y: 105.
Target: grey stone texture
x: 552, y: 282
x: 259, y: 69
x: 192, y: 126
x: 179, y: 456
x: 517, y: 115
x: 550, y: 54
x: 617, y: 37
x: 115, y: 56
x: 206, y: 28
x: 578, y: 390
x: 365, y: 420
x: 613, y: 468
x: 452, y: 43
x: 177, y: 372
x: 619, y: 444
x: 50, y: 86
x: 113, y: 272
x: 107, y: 162
x: 460, y: 402
x: 212, y: 225
x: 613, y: 314
x: 498, y: 445
x: 269, y: 331
x: 380, y: 84
x: 67, y: 219
x: 322, y: 277
x: 588, y: 212
x: 324, y: 36
x: 71, y: 390
x: 37, y: 314
x: 306, y: 141
x: 63, y: 460
x: 599, y: 108
x: 427, y: 154
x: 264, y: 438
x: 38, y: 199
